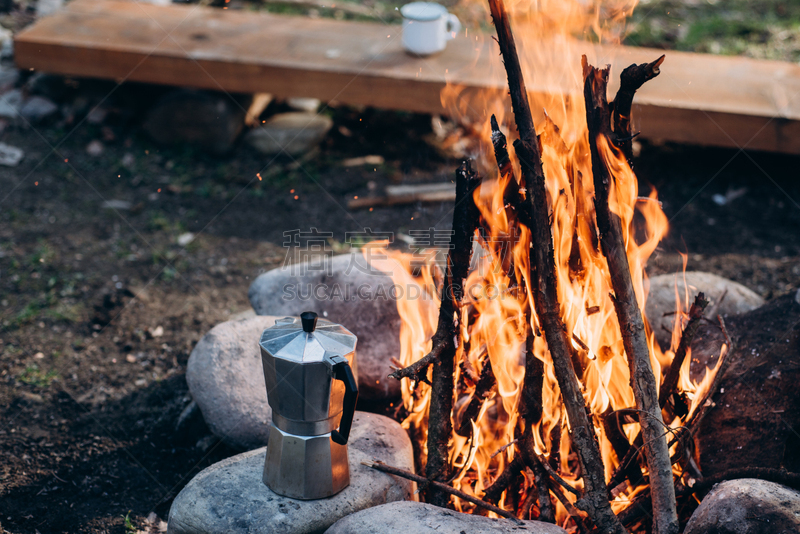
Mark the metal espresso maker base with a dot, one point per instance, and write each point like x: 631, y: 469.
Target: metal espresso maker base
x: 305, y: 467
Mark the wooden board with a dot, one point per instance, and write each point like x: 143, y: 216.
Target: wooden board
x: 698, y: 99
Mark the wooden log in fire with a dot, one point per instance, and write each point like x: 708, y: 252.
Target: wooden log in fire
x: 627, y: 468
x: 511, y: 196
x: 483, y: 388
x: 612, y: 241
x: 518, y: 211
x: 440, y: 426
x: 501, y: 483
x: 671, y: 380
x: 531, y: 410
x: 544, y: 283
x: 443, y: 351
x: 631, y: 79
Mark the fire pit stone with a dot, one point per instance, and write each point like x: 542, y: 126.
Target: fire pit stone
x: 747, y: 506
x: 231, y: 497
x: 226, y: 380
x: 757, y: 405
x: 342, y: 289
x: 422, y: 518
x: 726, y: 298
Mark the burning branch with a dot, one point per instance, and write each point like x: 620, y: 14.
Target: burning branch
x: 483, y: 389
x: 531, y: 410
x: 671, y: 380
x: 442, y: 356
x: 545, y: 298
x: 511, y: 195
x: 631, y: 79
x: 573, y: 513
x: 546, y: 512
x: 418, y: 371
x: 544, y: 283
x: 531, y: 401
x: 501, y: 483
x: 619, y: 441
x: 625, y: 451
x: 706, y: 404
x: 444, y: 488
x: 612, y: 240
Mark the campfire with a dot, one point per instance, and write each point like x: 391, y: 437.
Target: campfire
x: 531, y: 381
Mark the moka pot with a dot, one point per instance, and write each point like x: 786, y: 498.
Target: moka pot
x: 310, y: 373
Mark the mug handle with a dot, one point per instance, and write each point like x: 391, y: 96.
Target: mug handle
x: 452, y: 26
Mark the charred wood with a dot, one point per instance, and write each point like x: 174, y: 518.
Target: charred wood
x: 502, y: 482
x: 612, y: 424
x: 545, y: 298
x: 631, y: 79
x: 612, y: 241
x: 483, y: 389
x: 440, y: 426
x: 572, y: 511
x: 543, y: 282
x: 511, y: 195
x: 444, y: 488
x: 671, y: 380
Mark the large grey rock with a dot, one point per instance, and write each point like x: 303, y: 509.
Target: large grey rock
x: 421, y: 518
x: 295, y: 133
x: 726, y: 298
x: 747, y: 506
x: 226, y: 379
x: 756, y: 410
x: 343, y: 290
x: 230, y: 497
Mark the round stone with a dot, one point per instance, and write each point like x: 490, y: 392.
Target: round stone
x: 231, y: 497
x: 421, y: 518
x: 226, y: 379
x: 726, y: 297
x: 346, y: 290
x: 747, y: 506
x: 295, y: 133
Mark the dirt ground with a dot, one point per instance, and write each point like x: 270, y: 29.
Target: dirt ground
x: 100, y: 307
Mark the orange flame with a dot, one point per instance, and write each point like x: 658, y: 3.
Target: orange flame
x: 493, y: 325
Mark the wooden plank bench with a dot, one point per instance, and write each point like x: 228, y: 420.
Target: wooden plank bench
x: 698, y: 99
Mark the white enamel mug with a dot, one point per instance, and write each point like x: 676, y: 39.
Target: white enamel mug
x: 427, y: 27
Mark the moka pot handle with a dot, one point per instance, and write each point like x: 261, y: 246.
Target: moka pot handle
x: 341, y: 371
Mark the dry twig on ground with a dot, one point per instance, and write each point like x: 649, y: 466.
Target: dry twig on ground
x: 444, y: 488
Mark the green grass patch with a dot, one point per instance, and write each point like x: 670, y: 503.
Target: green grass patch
x: 27, y: 314
x: 766, y: 29
x: 127, y: 522
x: 68, y: 313
x: 34, y: 376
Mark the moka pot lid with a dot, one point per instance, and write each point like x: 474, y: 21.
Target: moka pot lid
x: 307, y: 339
